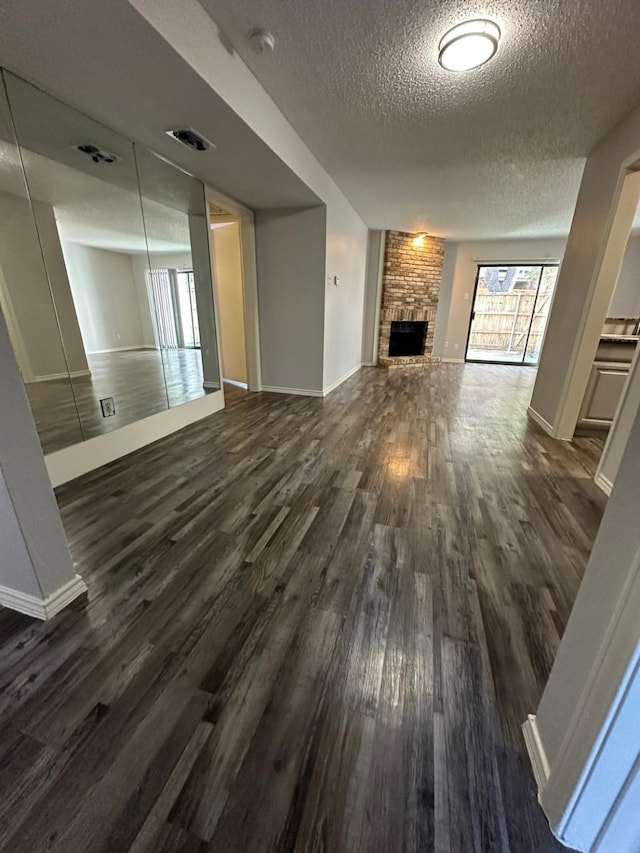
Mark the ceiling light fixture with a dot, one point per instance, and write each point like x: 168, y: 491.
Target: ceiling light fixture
x: 469, y: 45
x: 420, y: 237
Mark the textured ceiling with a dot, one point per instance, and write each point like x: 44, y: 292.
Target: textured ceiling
x: 495, y: 152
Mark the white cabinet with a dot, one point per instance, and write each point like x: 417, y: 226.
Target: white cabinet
x: 603, y: 393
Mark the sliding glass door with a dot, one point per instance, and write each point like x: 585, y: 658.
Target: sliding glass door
x: 510, y: 311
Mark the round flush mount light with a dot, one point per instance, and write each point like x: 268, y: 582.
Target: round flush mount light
x: 469, y: 45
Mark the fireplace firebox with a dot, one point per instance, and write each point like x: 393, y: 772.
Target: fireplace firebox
x: 407, y: 337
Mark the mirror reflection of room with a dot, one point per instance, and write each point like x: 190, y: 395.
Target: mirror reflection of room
x: 107, y: 292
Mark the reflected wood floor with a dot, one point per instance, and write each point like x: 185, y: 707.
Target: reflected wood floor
x: 142, y: 383
x: 312, y: 625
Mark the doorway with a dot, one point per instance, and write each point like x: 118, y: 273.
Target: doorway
x: 511, y: 305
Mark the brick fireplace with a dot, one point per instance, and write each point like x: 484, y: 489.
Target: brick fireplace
x: 410, y: 288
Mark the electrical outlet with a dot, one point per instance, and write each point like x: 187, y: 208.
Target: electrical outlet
x: 446, y: 344
x: 108, y: 407
x: 455, y: 346
x: 466, y: 296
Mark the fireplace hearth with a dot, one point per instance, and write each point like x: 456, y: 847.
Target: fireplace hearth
x: 407, y: 338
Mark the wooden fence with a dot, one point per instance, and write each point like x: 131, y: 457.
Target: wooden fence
x: 502, y: 321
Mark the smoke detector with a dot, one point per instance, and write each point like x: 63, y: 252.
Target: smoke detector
x: 262, y: 40
x: 191, y: 138
x: 98, y: 155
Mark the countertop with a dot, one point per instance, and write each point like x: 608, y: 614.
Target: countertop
x: 619, y: 339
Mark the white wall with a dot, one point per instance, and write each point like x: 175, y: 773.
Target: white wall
x: 460, y: 266
x: 227, y: 265
x: 290, y: 257
x: 344, y: 304
x: 104, y: 291
x: 28, y: 287
x: 625, y: 301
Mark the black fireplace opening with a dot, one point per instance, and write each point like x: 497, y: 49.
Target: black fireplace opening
x: 407, y: 337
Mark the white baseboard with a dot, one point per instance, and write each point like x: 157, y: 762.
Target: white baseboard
x: 236, y: 383
x: 452, y: 360
x: 604, y: 483
x: 342, y: 379
x: 78, y: 459
x: 369, y: 364
x: 51, y: 377
x: 536, y: 752
x: 43, y: 608
x: 211, y: 386
x: 303, y: 392
x: 546, y: 426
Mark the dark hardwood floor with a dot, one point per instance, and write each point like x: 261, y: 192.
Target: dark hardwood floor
x: 312, y: 625
x: 142, y: 383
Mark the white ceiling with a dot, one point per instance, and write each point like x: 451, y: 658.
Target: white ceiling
x: 495, y: 152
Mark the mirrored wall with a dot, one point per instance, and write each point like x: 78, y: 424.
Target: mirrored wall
x: 105, y: 273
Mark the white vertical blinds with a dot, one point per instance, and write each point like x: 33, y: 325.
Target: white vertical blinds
x: 163, y: 314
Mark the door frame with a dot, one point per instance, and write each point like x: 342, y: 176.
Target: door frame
x: 246, y: 229
x: 479, y: 266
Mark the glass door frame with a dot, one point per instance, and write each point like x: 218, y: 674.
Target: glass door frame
x: 523, y: 363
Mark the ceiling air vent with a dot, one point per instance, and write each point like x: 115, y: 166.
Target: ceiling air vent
x: 98, y: 155
x: 191, y: 139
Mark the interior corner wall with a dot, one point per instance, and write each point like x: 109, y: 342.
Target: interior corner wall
x: 104, y: 293
x: 344, y: 302
x: 65, y: 309
x: 593, y: 218
x: 625, y: 302
x: 372, y: 296
x: 227, y: 265
x: 461, y: 261
x: 35, y: 559
x: 28, y: 287
x: 290, y: 262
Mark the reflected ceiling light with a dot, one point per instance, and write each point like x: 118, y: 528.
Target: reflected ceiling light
x: 469, y: 45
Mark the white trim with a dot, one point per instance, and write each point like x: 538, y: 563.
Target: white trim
x: 51, y: 377
x: 535, y: 749
x: 379, y: 289
x: 72, y: 462
x: 45, y: 608
x: 211, y: 386
x: 236, y: 383
x: 604, y: 483
x: 342, y: 379
x: 122, y: 349
x: 303, y: 392
x: 546, y: 426
x: 245, y: 220
x: 452, y: 360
